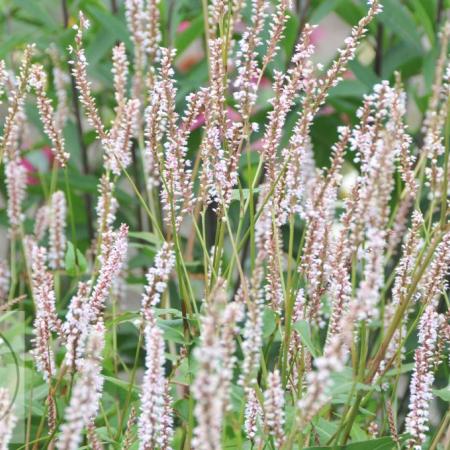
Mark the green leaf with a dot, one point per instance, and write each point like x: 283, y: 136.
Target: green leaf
x: 397, y: 56
x: 325, y: 429
x: 173, y: 330
x: 351, y: 12
x: 121, y: 384
x: 357, y: 433
x: 303, y: 329
x: 37, y: 11
x: 365, y: 74
x: 75, y: 262
x: 291, y: 34
x: 104, y: 433
x: 384, y: 443
x: 443, y: 393
x: 70, y: 260
x: 323, y: 10
x: 170, y: 311
x: 115, y: 26
x: 194, y: 266
x: 100, y: 47
x: 81, y: 261
x: 404, y: 368
x: 398, y: 19
x: 245, y: 192
x: 422, y: 16
x: 269, y: 324
x: 151, y: 238
x: 78, y: 181
x: 129, y: 316
x: 349, y: 88
x: 428, y: 69
x: 182, y: 408
x: 13, y: 42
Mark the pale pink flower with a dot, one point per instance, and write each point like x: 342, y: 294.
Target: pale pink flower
x: 298, y: 154
x: 166, y: 420
x: 277, y: 24
x: 46, y: 319
x: 86, y: 393
x: 434, y: 280
x: 154, y: 130
x: 177, y: 195
x: 106, y: 205
x: 274, y: 407
x: 16, y: 179
x: 79, y: 72
x: 252, y: 342
x: 120, y: 75
x: 3, y: 78
x: 340, y: 288
x: 253, y: 413
x: 423, y: 377
x: 153, y: 32
x: 402, y: 283
x: 120, y: 138
x: 246, y: 60
x: 153, y: 387
x: 42, y: 221
x: 207, y: 389
x: 76, y: 326
x: 157, y: 279
x: 38, y: 80
x: 232, y: 314
x: 57, y: 225
x: 137, y: 23
x: 4, y: 281
x: 217, y: 10
x: 14, y: 119
x: 7, y: 419
x: 436, y: 114
x: 60, y: 81
x: 43, y: 289
x: 112, y: 255
x: 319, y: 380
x: 215, y: 356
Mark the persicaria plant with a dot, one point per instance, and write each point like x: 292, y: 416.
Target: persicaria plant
x: 216, y: 241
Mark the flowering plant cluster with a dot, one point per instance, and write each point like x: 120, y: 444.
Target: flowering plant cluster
x: 192, y: 270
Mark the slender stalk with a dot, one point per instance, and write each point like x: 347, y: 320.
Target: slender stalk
x: 444, y: 197
x: 443, y: 428
x: 79, y: 127
x: 379, y: 50
x: 135, y: 166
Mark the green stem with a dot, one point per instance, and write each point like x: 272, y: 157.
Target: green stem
x: 446, y: 163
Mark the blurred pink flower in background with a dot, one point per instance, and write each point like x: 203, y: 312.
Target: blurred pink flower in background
x: 317, y: 35
x: 45, y: 155
x: 183, y: 26
x: 30, y: 170
x: 192, y: 55
x: 265, y: 83
x: 257, y: 145
x: 349, y: 75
